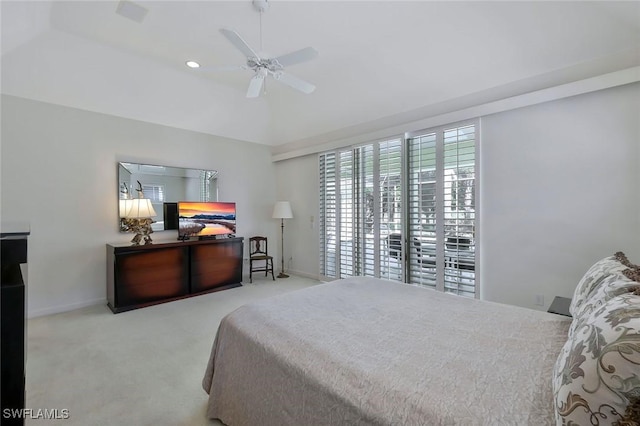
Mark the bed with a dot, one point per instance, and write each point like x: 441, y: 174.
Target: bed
x: 368, y: 351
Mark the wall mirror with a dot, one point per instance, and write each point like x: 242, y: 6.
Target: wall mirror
x: 164, y: 186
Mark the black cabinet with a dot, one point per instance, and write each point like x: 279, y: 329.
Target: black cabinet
x: 13, y: 253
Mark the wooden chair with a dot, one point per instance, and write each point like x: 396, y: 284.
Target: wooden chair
x: 394, y: 243
x: 258, y: 252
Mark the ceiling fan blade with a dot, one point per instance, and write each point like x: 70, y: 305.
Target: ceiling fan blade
x: 223, y: 68
x: 297, y: 57
x: 255, y: 85
x: 294, y: 82
x: 239, y: 42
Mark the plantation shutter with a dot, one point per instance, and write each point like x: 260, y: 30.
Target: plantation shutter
x: 155, y: 193
x: 346, y: 215
x: 390, y: 209
x: 360, y: 204
x: 422, y: 209
x: 208, y: 191
x: 459, y: 210
x: 442, y: 209
x: 327, y: 215
x: 368, y: 222
x: 403, y: 211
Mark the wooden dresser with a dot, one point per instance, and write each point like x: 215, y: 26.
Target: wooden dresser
x: 139, y: 276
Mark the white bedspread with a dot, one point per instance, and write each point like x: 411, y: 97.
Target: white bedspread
x: 367, y: 351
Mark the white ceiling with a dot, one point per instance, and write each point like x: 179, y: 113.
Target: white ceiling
x: 379, y: 62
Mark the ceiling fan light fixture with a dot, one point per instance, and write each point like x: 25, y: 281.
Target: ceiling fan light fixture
x: 192, y: 64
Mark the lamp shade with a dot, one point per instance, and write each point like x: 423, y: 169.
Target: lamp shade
x: 282, y: 210
x: 140, y: 208
x: 125, y: 206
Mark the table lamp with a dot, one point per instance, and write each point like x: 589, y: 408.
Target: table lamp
x: 136, y: 216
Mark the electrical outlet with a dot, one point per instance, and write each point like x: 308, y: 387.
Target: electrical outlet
x: 539, y: 300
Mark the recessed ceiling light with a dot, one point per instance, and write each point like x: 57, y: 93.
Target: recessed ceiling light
x: 192, y: 64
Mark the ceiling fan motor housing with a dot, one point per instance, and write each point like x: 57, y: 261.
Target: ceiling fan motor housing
x: 270, y: 64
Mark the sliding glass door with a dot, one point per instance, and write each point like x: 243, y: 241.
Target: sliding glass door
x: 442, y: 209
x: 360, y: 209
x: 402, y: 209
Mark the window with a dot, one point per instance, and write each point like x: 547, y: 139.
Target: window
x: 389, y: 211
x: 154, y: 192
x: 442, y: 209
x: 422, y: 209
x: 402, y: 209
x: 346, y: 209
x: 360, y: 205
x: 328, y: 214
x: 208, y: 185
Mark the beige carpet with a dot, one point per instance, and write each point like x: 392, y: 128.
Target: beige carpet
x: 142, y: 367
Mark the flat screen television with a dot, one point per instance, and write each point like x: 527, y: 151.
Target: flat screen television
x: 206, y: 219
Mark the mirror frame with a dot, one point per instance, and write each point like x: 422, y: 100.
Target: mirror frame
x: 153, y: 170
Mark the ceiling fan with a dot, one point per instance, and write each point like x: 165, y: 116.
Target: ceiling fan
x: 264, y: 66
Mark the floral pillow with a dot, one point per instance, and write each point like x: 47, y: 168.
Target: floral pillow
x: 610, y: 286
x: 592, y: 279
x: 597, y: 375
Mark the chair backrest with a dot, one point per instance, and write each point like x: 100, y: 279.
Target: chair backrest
x: 418, y: 245
x: 458, y: 243
x: 258, y: 246
x: 395, y: 245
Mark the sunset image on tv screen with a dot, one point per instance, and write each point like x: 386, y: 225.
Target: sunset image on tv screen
x: 206, y: 218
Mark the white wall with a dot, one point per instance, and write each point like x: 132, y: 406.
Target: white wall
x: 558, y: 191
x: 298, y: 183
x: 58, y: 172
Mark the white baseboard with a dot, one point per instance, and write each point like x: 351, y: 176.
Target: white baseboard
x: 64, y: 308
x: 303, y: 274
x: 245, y: 277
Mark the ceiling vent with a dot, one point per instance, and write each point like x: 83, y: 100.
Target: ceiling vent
x: 131, y: 10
